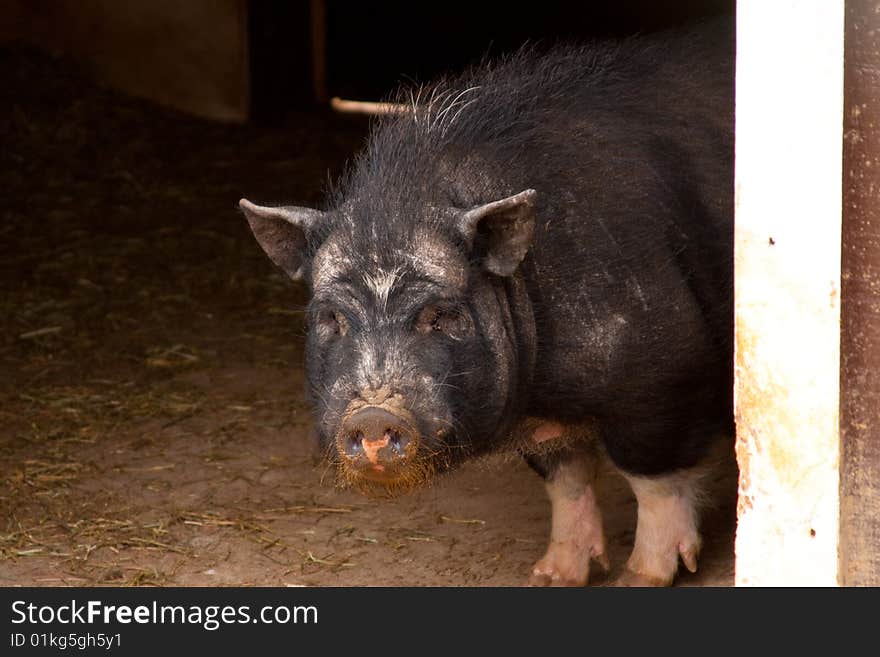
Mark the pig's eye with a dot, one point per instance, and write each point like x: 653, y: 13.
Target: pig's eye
x: 332, y: 323
x: 436, y: 319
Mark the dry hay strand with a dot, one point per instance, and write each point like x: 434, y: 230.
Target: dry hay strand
x: 175, y: 356
x: 283, y: 512
x: 250, y: 521
x: 326, y: 561
x: 463, y: 521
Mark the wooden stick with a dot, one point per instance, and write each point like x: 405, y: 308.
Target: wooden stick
x: 367, y: 107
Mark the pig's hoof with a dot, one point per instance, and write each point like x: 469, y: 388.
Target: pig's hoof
x: 554, y: 578
x: 661, y: 568
x: 538, y: 578
x: 565, y: 566
x: 632, y: 578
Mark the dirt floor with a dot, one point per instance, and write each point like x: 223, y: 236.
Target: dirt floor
x: 154, y: 429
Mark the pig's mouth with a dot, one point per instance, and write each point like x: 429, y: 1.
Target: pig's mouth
x: 384, y: 483
x: 377, y: 480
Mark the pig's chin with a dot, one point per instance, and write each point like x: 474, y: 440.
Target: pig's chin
x: 374, y: 482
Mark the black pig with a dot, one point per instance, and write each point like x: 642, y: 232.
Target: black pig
x: 535, y: 256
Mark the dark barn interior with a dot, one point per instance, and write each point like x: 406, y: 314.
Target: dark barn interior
x: 154, y: 423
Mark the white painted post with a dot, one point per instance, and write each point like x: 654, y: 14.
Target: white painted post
x: 789, y: 114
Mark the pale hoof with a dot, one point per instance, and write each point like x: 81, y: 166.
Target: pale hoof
x: 559, y: 568
x: 634, y: 579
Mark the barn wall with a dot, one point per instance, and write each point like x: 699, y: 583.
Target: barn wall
x: 188, y: 55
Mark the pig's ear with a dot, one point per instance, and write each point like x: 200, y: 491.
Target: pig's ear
x: 508, y: 226
x: 282, y: 232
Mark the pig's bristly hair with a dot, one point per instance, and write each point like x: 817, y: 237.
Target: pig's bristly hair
x: 438, y: 150
x: 471, y: 139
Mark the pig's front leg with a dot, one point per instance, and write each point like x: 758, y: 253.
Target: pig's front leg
x: 576, y: 535
x: 667, y: 527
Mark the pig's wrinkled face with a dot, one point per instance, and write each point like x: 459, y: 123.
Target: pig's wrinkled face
x: 397, y: 359
x: 411, y: 357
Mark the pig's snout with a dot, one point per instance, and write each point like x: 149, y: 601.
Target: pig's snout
x: 376, y: 442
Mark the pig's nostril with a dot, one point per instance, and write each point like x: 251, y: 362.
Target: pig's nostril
x: 394, y: 439
x: 355, y: 443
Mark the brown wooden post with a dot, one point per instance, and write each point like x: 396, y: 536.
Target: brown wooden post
x: 318, y: 19
x: 860, y: 309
